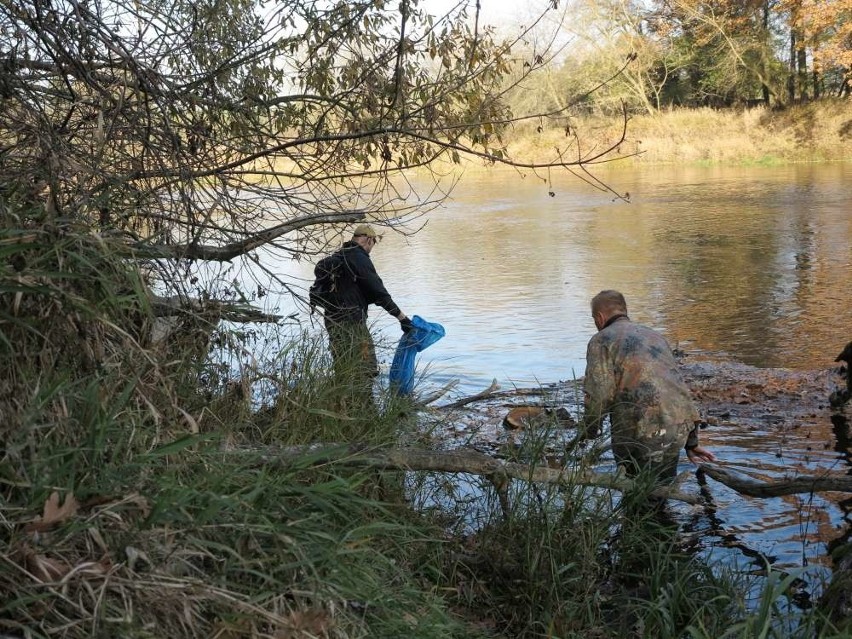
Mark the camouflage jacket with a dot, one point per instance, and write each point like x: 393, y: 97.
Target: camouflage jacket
x: 632, y: 376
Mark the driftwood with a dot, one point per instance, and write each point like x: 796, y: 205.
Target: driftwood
x: 464, y: 401
x: 425, y: 401
x: 752, y: 487
x: 499, y: 471
x: 493, y: 392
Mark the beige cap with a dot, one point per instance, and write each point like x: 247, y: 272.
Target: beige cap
x: 365, y: 229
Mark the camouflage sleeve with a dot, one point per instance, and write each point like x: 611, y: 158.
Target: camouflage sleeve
x: 599, y: 388
x: 692, y: 438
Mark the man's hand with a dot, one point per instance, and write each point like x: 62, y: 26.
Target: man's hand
x: 405, y: 324
x: 700, y: 454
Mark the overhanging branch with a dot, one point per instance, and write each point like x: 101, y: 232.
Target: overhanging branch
x: 234, y: 249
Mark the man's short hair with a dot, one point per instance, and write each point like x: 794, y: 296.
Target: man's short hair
x: 609, y: 302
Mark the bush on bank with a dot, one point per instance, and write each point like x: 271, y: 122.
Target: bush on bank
x: 124, y: 515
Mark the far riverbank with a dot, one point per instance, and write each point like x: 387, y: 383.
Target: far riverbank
x: 814, y: 132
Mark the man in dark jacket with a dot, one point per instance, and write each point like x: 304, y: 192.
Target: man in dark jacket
x: 356, y: 287
x: 632, y: 376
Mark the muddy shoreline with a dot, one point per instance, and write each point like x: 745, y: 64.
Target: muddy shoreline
x: 727, y: 393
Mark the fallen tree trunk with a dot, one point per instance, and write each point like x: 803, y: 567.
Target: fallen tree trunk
x: 500, y: 471
x: 497, y: 471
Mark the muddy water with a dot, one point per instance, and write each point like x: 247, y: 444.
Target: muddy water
x: 753, y: 264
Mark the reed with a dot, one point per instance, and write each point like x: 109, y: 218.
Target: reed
x: 122, y: 513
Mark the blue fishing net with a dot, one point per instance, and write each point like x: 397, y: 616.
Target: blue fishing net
x: 422, y: 335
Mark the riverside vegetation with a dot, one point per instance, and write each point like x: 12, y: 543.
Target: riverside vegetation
x: 138, y: 499
x: 137, y: 496
x: 810, y: 132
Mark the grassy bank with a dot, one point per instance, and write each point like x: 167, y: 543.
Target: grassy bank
x: 140, y: 497
x: 815, y: 132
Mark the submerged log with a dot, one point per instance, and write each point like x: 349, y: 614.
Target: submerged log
x: 747, y: 485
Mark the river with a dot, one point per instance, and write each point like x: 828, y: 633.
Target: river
x: 753, y: 264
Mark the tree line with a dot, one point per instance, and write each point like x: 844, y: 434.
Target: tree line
x: 693, y: 53
x: 204, y: 130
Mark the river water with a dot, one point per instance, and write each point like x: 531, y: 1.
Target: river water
x: 751, y: 263
x: 756, y: 263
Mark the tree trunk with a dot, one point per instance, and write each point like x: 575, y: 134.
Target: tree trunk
x: 764, y: 87
x: 802, y: 65
x: 791, y: 80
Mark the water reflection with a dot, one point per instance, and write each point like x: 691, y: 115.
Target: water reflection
x: 750, y: 262
x: 753, y: 263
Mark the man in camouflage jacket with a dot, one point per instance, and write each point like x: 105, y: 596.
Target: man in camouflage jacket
x: 632, y: 376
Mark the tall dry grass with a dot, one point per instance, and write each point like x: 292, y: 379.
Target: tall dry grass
x: 126, y: 509
x: 815, y: 132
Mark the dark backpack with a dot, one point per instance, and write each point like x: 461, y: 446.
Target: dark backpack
x: 327, y: 277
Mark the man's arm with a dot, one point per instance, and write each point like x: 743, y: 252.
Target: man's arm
x: 598, y: 388
x: 694, y: 451
x: 374, y: 289
x: 699, y: 454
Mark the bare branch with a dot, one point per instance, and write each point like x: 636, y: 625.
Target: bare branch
x: 235, y: 249
x: 177, y: 306
x: 752, y: 487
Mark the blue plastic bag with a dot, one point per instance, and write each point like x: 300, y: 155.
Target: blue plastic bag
x: 422, y: 335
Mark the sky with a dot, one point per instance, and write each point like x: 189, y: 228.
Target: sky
x: 495, y: 12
